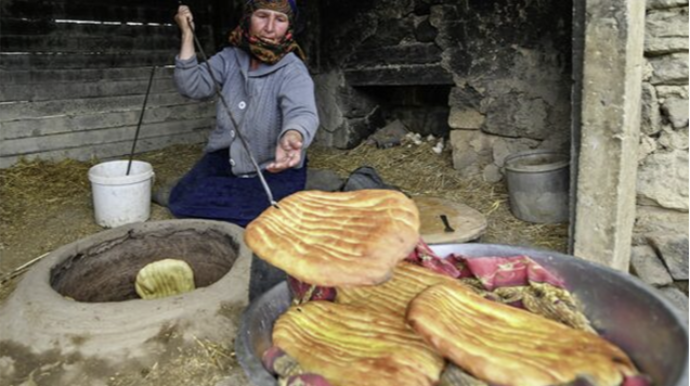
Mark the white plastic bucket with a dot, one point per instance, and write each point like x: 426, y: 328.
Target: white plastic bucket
x: 118, y: 198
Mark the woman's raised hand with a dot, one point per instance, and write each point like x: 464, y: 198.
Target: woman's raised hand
x: 184, y: 19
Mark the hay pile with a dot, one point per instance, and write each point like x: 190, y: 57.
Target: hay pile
x: 48, y: 184
x: 205, y: 363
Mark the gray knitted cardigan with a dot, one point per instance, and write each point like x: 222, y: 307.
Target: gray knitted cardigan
x: 265, y: 103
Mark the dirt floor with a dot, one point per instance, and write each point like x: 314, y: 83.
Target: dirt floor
x: 47, y: 205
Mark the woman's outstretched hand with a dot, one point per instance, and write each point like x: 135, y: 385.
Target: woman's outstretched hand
x: 288, y: 152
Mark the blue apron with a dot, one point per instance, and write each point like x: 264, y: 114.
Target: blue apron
x: 211, y: 191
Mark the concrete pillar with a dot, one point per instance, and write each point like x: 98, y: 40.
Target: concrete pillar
x: 606, y: 132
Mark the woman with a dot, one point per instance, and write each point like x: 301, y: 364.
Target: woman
x: 271, y: 97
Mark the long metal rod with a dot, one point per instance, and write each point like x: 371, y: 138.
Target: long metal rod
x: 267, y: 189
x: 141, y: 118
x: 21, y: 269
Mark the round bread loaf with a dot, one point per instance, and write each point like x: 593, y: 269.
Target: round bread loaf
x: 164, y: 278
x: 337, y: 238
x: 355, y: 346
x: 393, y: 296
x: 504, y: 345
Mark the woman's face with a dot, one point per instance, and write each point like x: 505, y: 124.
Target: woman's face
x: 269, y: 25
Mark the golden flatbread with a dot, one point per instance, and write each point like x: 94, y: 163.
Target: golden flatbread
x: 393, y: 296
x: 503, y: 345
x: 162, y: 278
x: 354, y: 346
x: 337, y: 238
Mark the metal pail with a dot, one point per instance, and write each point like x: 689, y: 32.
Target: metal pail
x: 538, y: 184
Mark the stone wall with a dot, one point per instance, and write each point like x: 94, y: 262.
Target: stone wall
x: 660, y: 256
x: 514, y: 93
x: 506, y: 64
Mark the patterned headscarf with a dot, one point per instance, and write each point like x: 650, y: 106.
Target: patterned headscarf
x: 267, y: 52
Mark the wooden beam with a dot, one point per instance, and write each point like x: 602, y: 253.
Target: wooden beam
x: 111, y: 150
x: 90, y: 138
x: 96, y: 120
x: 87, y: 89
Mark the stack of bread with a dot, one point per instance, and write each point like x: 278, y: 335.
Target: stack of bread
x: 393, y: 322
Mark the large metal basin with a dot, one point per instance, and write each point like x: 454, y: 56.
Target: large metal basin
x: 622, y: 308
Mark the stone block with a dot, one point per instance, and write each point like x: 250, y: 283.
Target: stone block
x: 468, y: 119
x: 674, y: 139
x: 676, y: 111
x: 673, y: 249
x: 648, y: 145
x: 465, y: 97
x: 662, y: 180
x: 650, y: 123
x: 666, y: 32
x: 459, y: 61
x: 492, y: 173
x: 8, y: 367
x: 666, y: 92
x: 678, y: 299
x: 670, y: 69
x: 472, y: 152
x: 664, y: 4
x: 646, y: 265
x: 514, y: 114
x: 503, y: 147
x: 651, y: 219
x: 658, y: 46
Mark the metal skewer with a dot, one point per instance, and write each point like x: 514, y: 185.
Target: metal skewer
x: 216, y: 84
x: 141, y: 118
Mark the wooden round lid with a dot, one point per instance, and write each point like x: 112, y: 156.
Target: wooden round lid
x: 465, y: 223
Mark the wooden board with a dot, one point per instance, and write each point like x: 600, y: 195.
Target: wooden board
x: 86, y: 89
x: 74, y: 74
x: 67, y: 123
x: 110, y: 150
x: 26, y: 110
x: 88, y: 138
x: 55, y: 60
x: 468, y: 224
